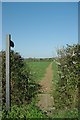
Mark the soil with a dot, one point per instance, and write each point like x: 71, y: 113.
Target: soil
x: 45, y: 98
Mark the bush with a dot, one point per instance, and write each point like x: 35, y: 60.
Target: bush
x: 69, y: 70
x: 23, y: 112
x: 20, y: 78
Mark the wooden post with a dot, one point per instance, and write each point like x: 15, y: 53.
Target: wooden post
x: 8, y: 38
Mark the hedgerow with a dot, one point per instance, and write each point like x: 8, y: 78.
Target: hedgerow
x: 68, y: 62
x: 20, y: 79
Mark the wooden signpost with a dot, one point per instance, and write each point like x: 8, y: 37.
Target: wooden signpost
x: 9, y: 44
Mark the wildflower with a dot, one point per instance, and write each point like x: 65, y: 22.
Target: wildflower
x: 62, y: 76
x: 78, y: 53
x: 74, y: 62
x: 73, y: 54
x: 53, y: 108
x: 58, y: 63
x: 59, y: 72
x: 30, y: 73
x: 65, y: 65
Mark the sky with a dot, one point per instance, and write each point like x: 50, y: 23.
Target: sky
x: 0, y: 25
x: 38, y: 29
x: 40, y: 0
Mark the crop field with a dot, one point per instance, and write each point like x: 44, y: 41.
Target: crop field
x: 38, y: 69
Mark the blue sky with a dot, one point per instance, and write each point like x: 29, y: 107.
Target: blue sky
x: 0, y: 25
x: 38, y: 29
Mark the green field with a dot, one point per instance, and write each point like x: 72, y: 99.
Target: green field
x: 38, y: 69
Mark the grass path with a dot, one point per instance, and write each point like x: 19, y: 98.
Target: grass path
x: 45, y: 100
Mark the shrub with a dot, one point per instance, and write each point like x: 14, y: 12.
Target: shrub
x: 19, y: 77
x: 69, y: 69
x: 23, y: 112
